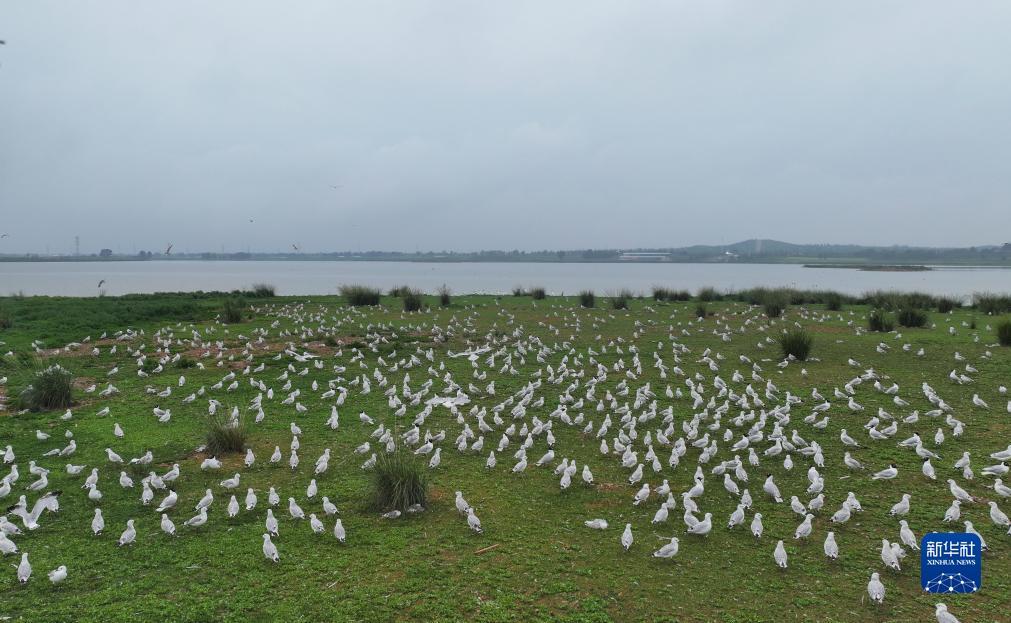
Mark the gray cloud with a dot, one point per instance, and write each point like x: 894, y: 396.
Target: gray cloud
x: 468, y: 125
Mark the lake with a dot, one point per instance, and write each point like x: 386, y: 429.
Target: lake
x: 315, y: 277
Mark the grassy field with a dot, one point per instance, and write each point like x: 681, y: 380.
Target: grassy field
x: 535, y: 559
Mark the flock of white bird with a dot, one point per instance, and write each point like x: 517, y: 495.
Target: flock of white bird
x: 720, y: 423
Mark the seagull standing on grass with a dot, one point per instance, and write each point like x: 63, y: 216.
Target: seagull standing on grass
x: 669, y: 550
x: 875, y: 589
x: 626, y: 537
x: 24, y: 569
x: 780, y: 555
x: 270, y: 550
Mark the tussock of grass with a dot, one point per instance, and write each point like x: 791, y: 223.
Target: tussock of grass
x: 51, y: 388
x: 412, y: 300
x: 262, y: 290
x: 833, y: 301
x: 398, y: 481
x: 708, y: 294
x: 701, y: 311
x: 774, y: 304
x: 796, y: 342
x: 444, y: 296
x: 992, y: 304
x: 519, y: 291
x: 224, y: 436
x: 538, y: 294
x: 910, y: 317
x: 231, y: 313
x: 587, y: 298
x: 879, y: 321
x: 185, y: 362
x: 946, y: 305
x: 661, y: 294
x: 360, y: 296
x: 1004, y: 332
x: 620, y: 300
x: 6, y: 318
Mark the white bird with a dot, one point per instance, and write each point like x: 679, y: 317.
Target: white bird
x: 24, y: 569
x: 942, y: 614
x: 270, y: 550
x: 461, y: 504
x: 197, y: 520
x: 58, y: 574
x: 295, y: 510
x: 831, y: 547
x: 167, y: 503
x: 167, y: 526
x: 886, y: 474
x: 626, y: 537
x: 997, y: 516
x: 596, y: 524
x: 704, y: 527
x: 473, y: 522
x: 779, y: 554
x: 98, y: 522
x: 129, y: 535
x: 669, y: 550
x: 338, y: 531
x: 875, y: 589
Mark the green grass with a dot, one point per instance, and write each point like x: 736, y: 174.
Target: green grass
x: 587, y: 299
x: 546, y: 566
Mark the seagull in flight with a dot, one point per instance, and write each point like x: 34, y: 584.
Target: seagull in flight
x: 295, y: 247
x: 168, y: 251
x: 100, y: 283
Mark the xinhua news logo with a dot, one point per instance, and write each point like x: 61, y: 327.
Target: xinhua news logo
x: 951, y: 562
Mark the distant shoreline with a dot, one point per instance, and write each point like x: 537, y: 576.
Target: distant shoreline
x: 468, y: 259
x: 896, y: 268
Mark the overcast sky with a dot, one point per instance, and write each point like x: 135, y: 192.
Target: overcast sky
x: 498, y: 125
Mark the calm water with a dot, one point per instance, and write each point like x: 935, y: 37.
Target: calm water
x: 81, y: 278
